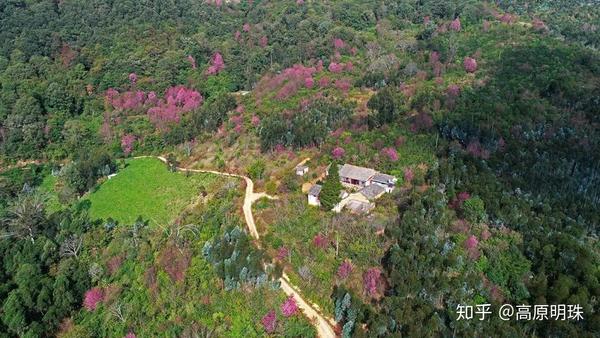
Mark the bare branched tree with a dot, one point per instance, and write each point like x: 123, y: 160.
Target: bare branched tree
x: 116, y: 310
x: 71, y: 246
x: 25, y: 216
x: 95, y: 271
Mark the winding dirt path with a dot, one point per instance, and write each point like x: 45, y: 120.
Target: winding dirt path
x: 323, y: 324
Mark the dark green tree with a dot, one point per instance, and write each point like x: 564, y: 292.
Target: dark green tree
x: 332, y: 187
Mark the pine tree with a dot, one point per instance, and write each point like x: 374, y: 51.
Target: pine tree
x: 330, y: 194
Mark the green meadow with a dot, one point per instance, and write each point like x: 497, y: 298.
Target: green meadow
x: 146, y: 188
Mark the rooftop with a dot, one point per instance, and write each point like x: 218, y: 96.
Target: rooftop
x: 359, y: 207
x: 315, y: 190
x: 372, y: 191
x: 357, y: 173
x: 384, y: 178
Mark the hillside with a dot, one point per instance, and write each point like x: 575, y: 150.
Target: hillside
x: 460, y: 139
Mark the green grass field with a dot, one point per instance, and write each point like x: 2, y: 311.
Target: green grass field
x: 146, y: 188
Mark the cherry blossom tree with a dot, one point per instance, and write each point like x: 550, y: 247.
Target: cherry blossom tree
x: 453, y: 90
x: 338, y: 153
x: 192, y: 61
x: 92, y: 298
x: 343, y: 84
x: 455, y: 25
x: 476, y: 149
x: 344, y: 269
x: 309, y: 82
x: 336, y: 67
x: 349, y: 66
x: 130, y: 335
x: 216, y: 64
x: 269, y: 321
x: 486, y: 25
x: 470, y: 64
x: 177, y: 101
x: 283, y: 253
x: 324, y: 82
x: 289, y: 307
x: 133, y: 78
x: 264, y: 41
x: 320, y: 241
x: 127, y: 143
x: 390, y: 153
x: 471, y: 247
x: 409, y: 175
x: 338, y: 43
x: 371, y: 281
x: 255, y: 120
x: 246, y: 27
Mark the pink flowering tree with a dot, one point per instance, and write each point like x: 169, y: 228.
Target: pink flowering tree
x: 458, y: 201
x: 338, y: 153
x: 336, y: 67
x: 255, y: 120
x: 343, y: 84
x: 127, y: 143
x: 309, y: 82
x: 344, y: 269
x: 92, y: 298
x: 390, y: 153
x: 283, y: 253
x: 129, y: 100
x: 471, y: 246
x: 320, y: 241
x: 216, y: 64
x: 130, y: 335
x: 453, y: 90
x: 349, y: 66
x: 177, y: 101
x: 338, y: 43
x: 324, y: 82
x: 192, y: 61
x: 269, y: 321
x: 371, y: 281
x: 289, y: 307
x: 133, y: 78
x: 470, y: 64
x: 455, y: 25
x: 264, y: 41
x: 286, y: 83
x: 409, y: 175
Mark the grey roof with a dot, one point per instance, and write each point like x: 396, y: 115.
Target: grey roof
x: 315, y: 190
x: 372, y: 191
x: 359, y: 207
x: 384, y: 178
x: 301, y: 167
x: 357, y: 173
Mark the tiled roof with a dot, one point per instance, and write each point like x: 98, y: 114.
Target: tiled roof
x: 372, y: 191
x: 384, y: 178
x: 315, y: 190
x: 357, y: 173
x: 359, y: 207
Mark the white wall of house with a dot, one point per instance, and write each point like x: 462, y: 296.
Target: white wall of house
x: 314, y: 200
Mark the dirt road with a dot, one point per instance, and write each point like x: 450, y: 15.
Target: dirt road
x: 323, y: 325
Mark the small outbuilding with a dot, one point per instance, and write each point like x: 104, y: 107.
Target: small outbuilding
x: 313, y: 195
x: 301, y: 170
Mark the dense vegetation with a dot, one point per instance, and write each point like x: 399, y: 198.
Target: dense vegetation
x: 486, y: 112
